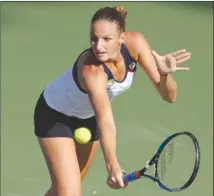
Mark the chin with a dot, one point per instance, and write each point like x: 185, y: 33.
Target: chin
x: 102, y: 58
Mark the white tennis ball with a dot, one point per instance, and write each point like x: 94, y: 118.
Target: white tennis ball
x: 82, y: 135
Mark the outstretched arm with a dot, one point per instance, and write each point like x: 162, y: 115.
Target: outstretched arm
x: 95, y: 82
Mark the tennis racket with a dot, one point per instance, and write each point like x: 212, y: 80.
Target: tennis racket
x: 176, y: 163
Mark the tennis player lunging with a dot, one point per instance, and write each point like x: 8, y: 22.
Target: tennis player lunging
x: 81, y: 97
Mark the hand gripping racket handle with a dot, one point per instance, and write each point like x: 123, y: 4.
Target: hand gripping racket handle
x: 131, y: 177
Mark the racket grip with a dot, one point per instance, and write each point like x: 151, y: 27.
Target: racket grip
x: 131, y: 177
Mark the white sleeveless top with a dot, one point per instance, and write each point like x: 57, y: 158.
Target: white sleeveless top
x: 65, y: 95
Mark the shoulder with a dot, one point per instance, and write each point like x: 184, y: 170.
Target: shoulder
x: 134, y: 38
x: 89, y: 65
x: 135, y: 41
x: 91, y: 72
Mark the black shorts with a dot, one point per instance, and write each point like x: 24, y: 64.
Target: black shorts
x: 51, y: 123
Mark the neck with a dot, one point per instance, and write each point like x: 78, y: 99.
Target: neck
x: 116, y: 58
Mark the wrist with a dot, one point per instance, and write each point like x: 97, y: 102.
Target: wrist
x: 110, y: 165
x: 162, y: 74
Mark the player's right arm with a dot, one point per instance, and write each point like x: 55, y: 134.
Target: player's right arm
x: 94, y: 80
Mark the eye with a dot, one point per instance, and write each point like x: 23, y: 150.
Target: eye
x: 107, y: 39
x: 93, y: 38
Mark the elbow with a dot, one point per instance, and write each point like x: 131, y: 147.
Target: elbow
x: 169, y: 96
x: 170, y: 99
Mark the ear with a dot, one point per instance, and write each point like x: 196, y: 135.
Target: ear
x: 122, y: 37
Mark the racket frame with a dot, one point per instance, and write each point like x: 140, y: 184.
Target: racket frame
x: 154, y: 161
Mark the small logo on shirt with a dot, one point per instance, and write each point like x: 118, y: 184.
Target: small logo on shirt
x: 132, y: 65
x: 110, y: 83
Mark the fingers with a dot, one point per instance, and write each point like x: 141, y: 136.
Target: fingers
x: 112, y: 182
x: 116, y: 181
x: 120, y: 181
x: 182, y: 68
x: 116, y: 184
x: 182, y: 55
x: 177, y: 52
x: 183, y: 59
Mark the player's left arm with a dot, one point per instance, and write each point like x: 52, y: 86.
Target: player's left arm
x: 151, y: 62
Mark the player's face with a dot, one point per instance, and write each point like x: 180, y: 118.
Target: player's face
x: 106, y: 40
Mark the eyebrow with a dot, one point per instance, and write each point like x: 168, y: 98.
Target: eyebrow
x: 108, y: 36
x: 103, y: 36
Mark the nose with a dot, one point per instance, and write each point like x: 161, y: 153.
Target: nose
x: 99, y: 44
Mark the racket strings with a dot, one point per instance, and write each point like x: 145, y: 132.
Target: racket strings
x: 176, y: 162
x: 163, y: 164
x: 170, y: 151
x: 166, y: 158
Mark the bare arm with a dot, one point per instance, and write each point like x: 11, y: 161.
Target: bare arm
x: 167, y: 88
x: 95, y: 82
x: 165, y: 85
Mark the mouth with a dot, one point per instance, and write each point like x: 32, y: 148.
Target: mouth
x: 100, y: 53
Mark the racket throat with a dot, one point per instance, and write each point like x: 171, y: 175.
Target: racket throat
x: 138, y: 174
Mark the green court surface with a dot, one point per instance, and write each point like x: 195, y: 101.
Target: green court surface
x: 41, y: 40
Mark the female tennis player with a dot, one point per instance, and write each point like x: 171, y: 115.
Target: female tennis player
x: 82, y: 95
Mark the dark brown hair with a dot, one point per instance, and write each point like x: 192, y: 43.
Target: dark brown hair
x: 113, y: 14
